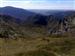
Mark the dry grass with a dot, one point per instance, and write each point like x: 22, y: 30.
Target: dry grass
x: 36, y: 43
x: 40, y: 46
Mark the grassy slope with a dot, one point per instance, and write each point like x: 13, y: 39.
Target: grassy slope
x: 36, y: 43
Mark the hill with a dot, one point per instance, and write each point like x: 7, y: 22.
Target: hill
x: 20, y: 20
x: 27, y: 33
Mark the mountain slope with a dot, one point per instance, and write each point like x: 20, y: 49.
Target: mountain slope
x: 16, y: 12
x: 20, y: 20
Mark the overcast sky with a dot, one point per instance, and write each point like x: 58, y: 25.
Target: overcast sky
x: 40, y: 4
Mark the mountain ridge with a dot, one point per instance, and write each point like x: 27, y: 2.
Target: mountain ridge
x: 52, y: 23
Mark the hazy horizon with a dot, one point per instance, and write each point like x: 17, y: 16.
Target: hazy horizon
x: 40, y: 4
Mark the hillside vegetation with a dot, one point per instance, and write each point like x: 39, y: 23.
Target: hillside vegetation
x: 38, y: 45
x: 36, y: 35
x: 36, y: 42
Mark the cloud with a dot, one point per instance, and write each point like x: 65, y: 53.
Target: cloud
x: 40, y: 4
x: 39, y: 0
x: 1, y: 2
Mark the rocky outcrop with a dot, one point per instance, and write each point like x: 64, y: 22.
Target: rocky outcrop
x: 59, y: 26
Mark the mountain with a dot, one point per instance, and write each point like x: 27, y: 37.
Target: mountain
x: 24, y: 14
x: 17, y: 21
x: 16, y: 12
x: 27, y: 15
x: 60, y: 14
x: 52, y: 12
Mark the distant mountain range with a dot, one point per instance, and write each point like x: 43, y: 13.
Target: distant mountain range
x: 23, y: 14
x: 52, y: 12
x: 16, y: 18
x: 28, y: 15
x: 16, y: 12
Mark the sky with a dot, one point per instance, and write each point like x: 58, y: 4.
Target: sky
x: 40, y: 4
